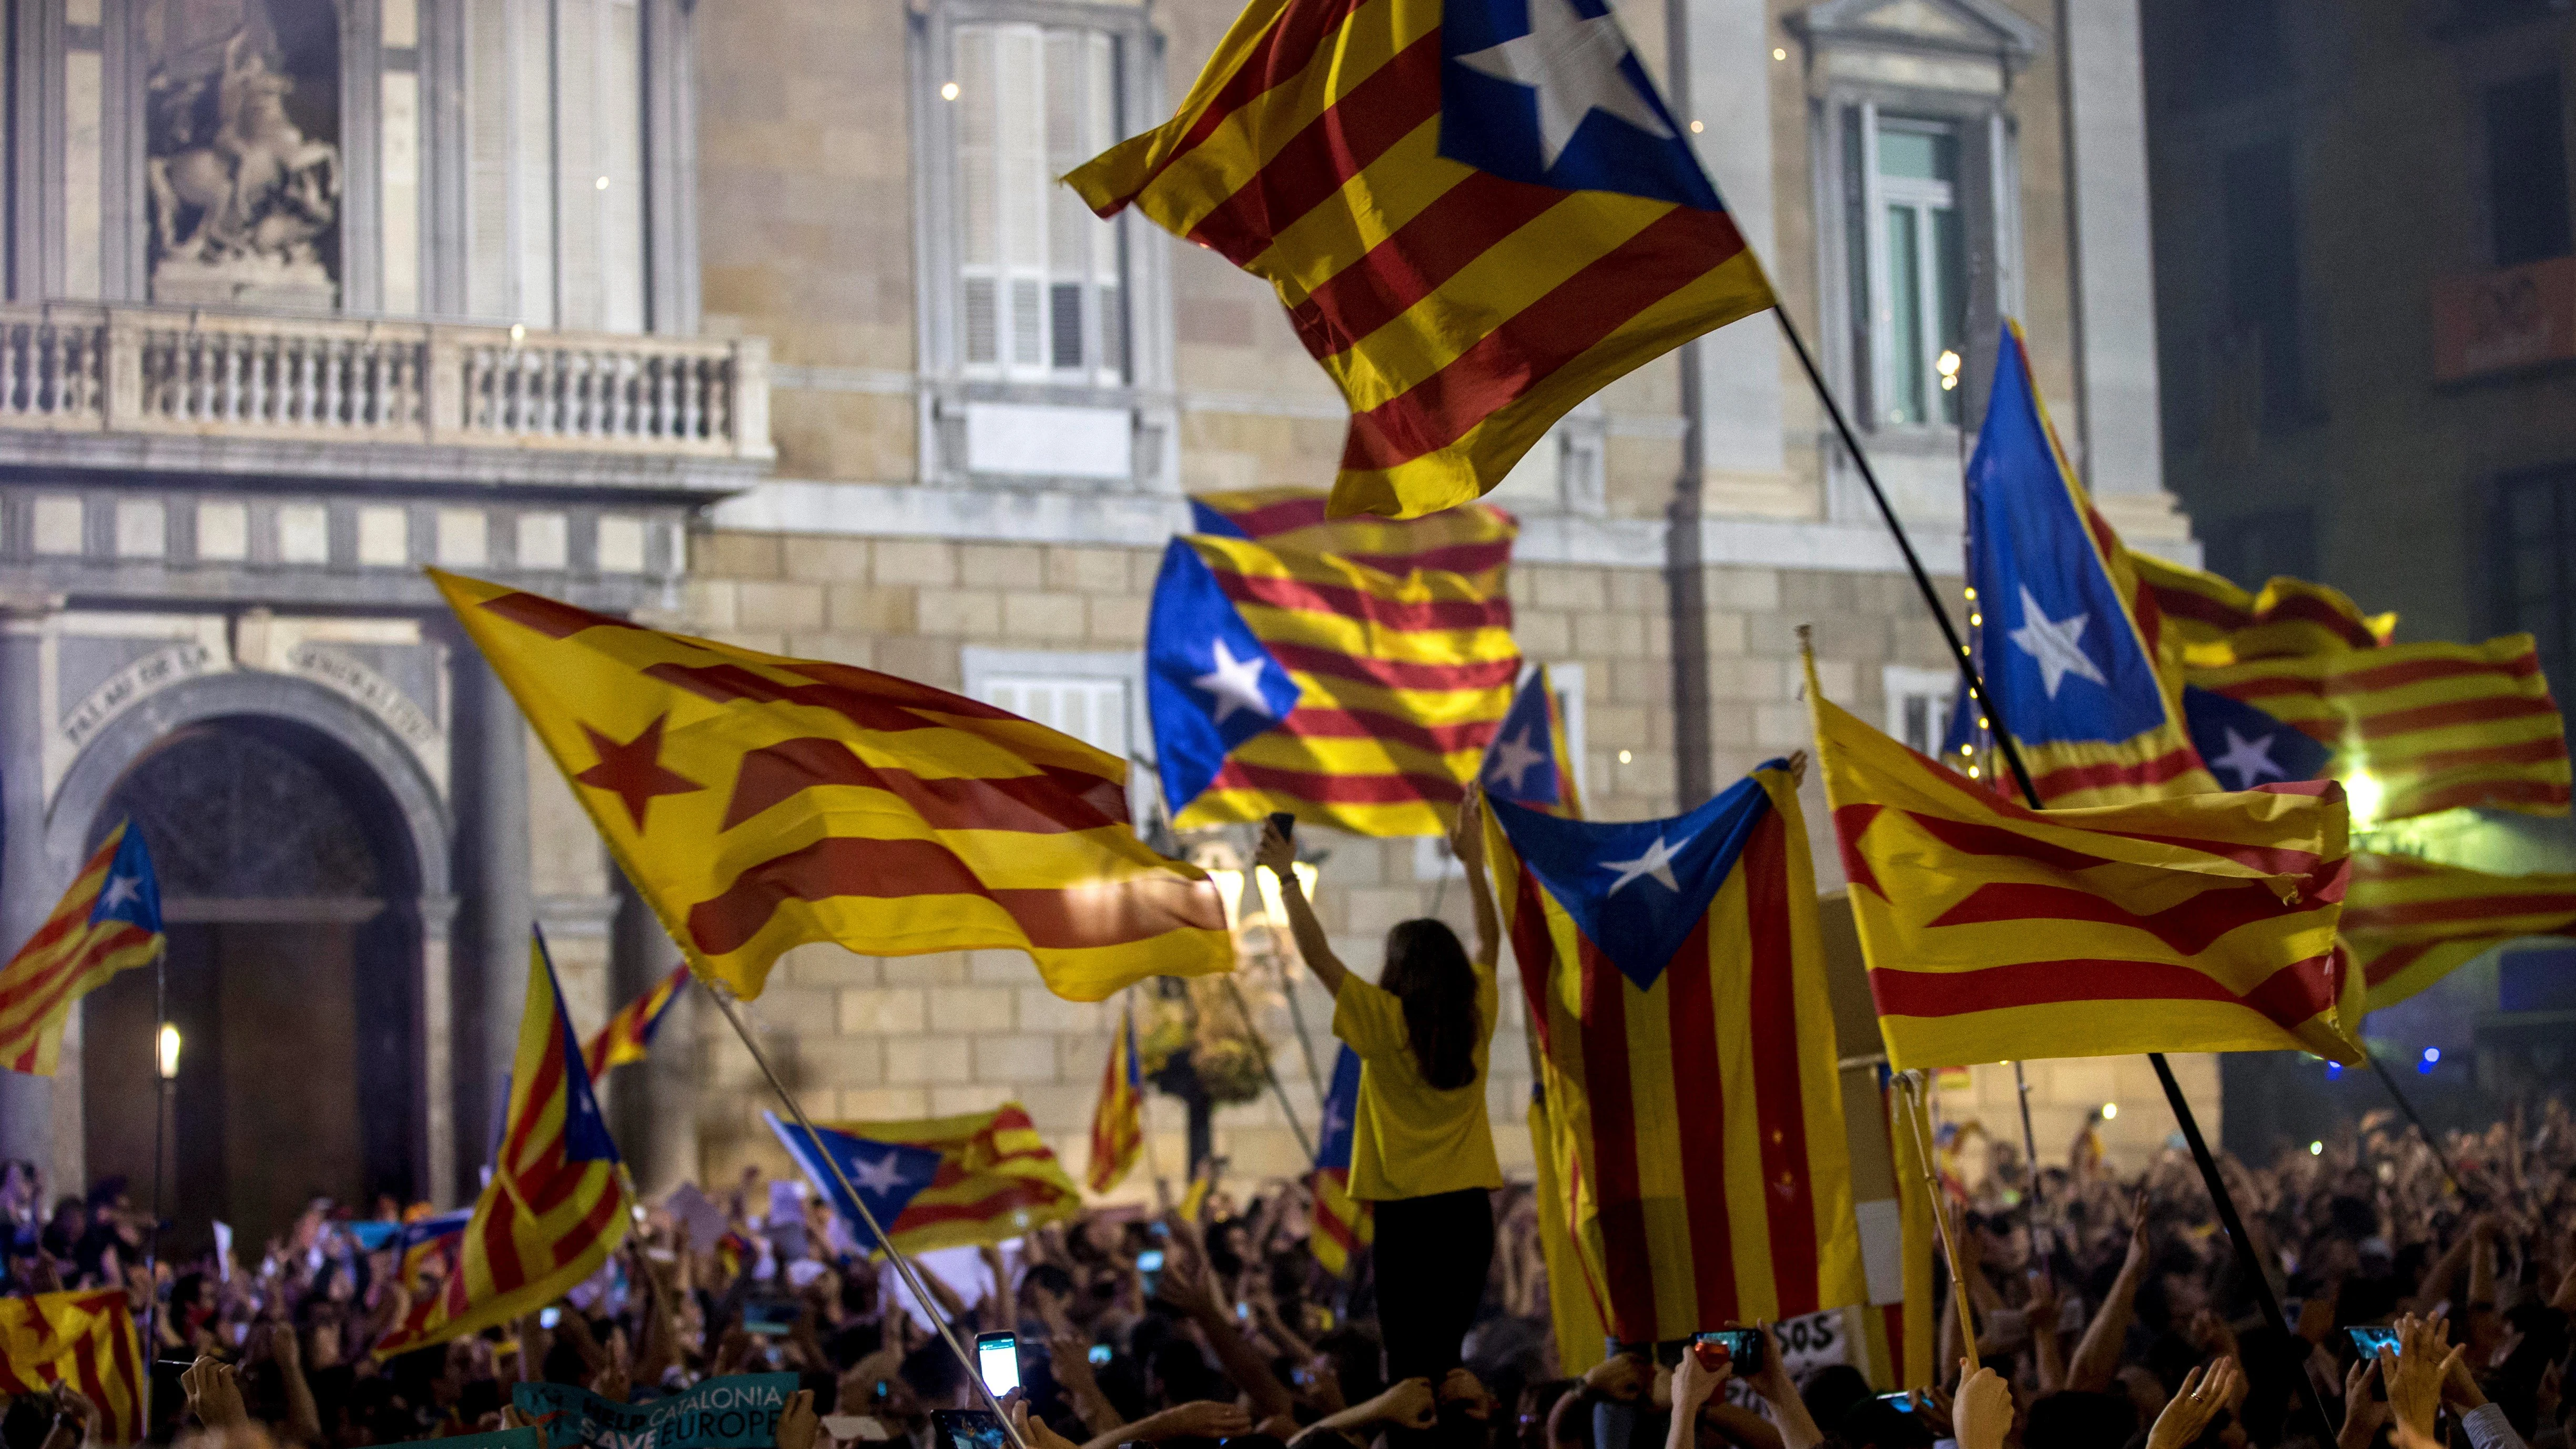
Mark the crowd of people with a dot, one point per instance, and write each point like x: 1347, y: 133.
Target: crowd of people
x: 2108, y: 1312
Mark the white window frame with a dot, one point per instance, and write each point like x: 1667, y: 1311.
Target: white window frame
x: 1882, y: 196
x: 1431, y: 858
x: 1903, y: 684
x: 986, y: 672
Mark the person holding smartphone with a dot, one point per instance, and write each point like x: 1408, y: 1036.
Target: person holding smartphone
x: 1422, y: 1150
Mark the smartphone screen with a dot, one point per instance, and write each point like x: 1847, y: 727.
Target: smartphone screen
x: 968, y: 1429
x: 2370, y: 1340
x: 1149, y: 1266
x: 997, y: 1355
x: 549, y: 1317
x: 1100, y: 1353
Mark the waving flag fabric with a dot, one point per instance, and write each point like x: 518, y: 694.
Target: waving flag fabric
x: 2411, y: 728
x: 996, y: 1178
x: 2408, y: 923
x: 2069, y: 662
x: 109, y: 921
x: 1473, y: 540
x: 760, y: 802
x: 86, y: 1340
x: 1307, y: 683
x: 629, y: 1034
x: 1477, y: 212
x: 2212, y: 622
x: 1530, y: 762
x: 2199, y: 924
x: 558, y: 1202
x: 887, y: 1176
x: 1343, y: 1224
x: 431, y: 1239
x: 1676, y: 982
x: 1118, y: 1118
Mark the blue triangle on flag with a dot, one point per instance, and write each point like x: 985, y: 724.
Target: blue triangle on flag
x: 888, y: 1175
x: 1209, y: 683
x: 1520, y: 765
x: 1341, y: 1112
x: 2244, y: 745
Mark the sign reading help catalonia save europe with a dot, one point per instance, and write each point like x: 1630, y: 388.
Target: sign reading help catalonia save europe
x: 738, y: 1411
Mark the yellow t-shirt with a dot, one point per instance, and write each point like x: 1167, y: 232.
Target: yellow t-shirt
x: 1412, y: 1139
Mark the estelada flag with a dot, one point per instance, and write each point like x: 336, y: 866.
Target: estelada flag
x: 2409, y: 729
x: 2204, y: 923
x: 2210, y: 622
x: 1473, y: 540
x: 629, y: 1034
x: 1307, y: 683
x: 883, y: 1177
x: 1675, y: 979
x: 109, y: 921
x: 996, y: 1178
x: 760, y: 802
x: 1118, y: 1118
x: 1477, y: 212
x: 1530, y: 763
x: 2408, y: 923
x: 2067, y: 636
x: 1343, y: 1224
x: 558, y: 1202
x: 84, y: 1339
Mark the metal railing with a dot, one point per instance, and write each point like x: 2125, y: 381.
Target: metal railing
x: 68, y: 367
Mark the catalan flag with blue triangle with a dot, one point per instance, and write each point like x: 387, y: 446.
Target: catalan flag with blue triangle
x: 628, y: 1037
x: 1478, y: 213
x: 1343, y: 1223
x: 558, y: 1202
x: 1118, y: 1118
x: 2066, y: 635
x: 1530, y: 762
x: 109, y: 921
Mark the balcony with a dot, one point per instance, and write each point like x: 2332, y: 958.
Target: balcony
x: 162, y: 389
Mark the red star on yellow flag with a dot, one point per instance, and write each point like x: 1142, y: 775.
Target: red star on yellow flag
x: 633, y: 771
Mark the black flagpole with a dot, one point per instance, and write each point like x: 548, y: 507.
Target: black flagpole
x: 2432, y: 1143
x: 2248, y: 1260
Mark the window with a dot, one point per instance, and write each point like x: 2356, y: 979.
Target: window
x: 1096, y: 698
x: 2260, y: 208
x: 2257, y: 546
x: 554, y: 139
x: 1039, y: 275
x: 1910, y: 223
x: 1918, y: 704
x: 2535, y: 574
x: 2527, y: 170
x: 1093, y: 711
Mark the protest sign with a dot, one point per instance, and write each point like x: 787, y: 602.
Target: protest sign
x: 500, y: 1439
x: 738, y: 1411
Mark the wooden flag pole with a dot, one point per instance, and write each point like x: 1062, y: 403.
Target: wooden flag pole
x: 1911, y: 1089
x: 2247, y: 1259
x: 732, y: 1007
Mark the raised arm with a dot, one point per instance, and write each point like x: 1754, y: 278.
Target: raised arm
x: 1278, y: 854
x: 2097, y: 1355
x: 1467, y: 842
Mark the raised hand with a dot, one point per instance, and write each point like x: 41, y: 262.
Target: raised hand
x: 2363, y: 1414
x: 2200, y: 1400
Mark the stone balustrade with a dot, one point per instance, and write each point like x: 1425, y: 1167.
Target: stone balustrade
x: 162, y: 370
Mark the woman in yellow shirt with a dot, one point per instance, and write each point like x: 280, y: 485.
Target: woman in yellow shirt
x: 1422, y: 1150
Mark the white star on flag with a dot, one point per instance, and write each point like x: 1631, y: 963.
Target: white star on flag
x: 1572, y: 61
x: 880, y: 1177
x: 1235, y: 684
x: 1334, y: 1121
x: 1656, y: 863
x: 1513, y: 759
x: 2052, y: 643
x: 120, y: 890
x: 2250, y: 759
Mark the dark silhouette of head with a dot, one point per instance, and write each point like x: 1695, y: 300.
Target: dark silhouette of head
x: 1428, y: 971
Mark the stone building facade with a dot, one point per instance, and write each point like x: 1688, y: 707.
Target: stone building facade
x: 762, y: 320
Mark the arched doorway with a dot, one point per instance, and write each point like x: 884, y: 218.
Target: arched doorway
x: 290, y: 891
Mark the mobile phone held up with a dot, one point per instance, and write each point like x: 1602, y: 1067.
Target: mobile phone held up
x: 2369, y: 1341
x: 547, y: 1318
x: 997, y: 1357
x: 1742, y: 1348
x: 967, y: 1429
x: 1149, y: 1267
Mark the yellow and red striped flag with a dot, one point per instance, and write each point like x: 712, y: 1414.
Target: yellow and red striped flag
x: 2408, y: 923
x: 1472, y: 540
x: 628, y: 1036
x: 109, y: 921
x: 760, y: 802
x: 1675, y: 978
x: 84, y: 1339
x: 2200, y: 923
x: 1307, y: 683
x: 1118, y: 1118
x: 997, y: 1179
x: 1466, y: 251
x: 558, y: 1202
x: 2210, y: 622
x: 2409, y: 728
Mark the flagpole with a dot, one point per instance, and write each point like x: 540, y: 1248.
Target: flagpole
x: 2030, y: 1169
x: 1912, y: 1091
x: 732, y: 1007
x: 1269, y: 1069
x: 2389, y: 1081
x: 160, y: 1121
x: 2247, y: 1259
